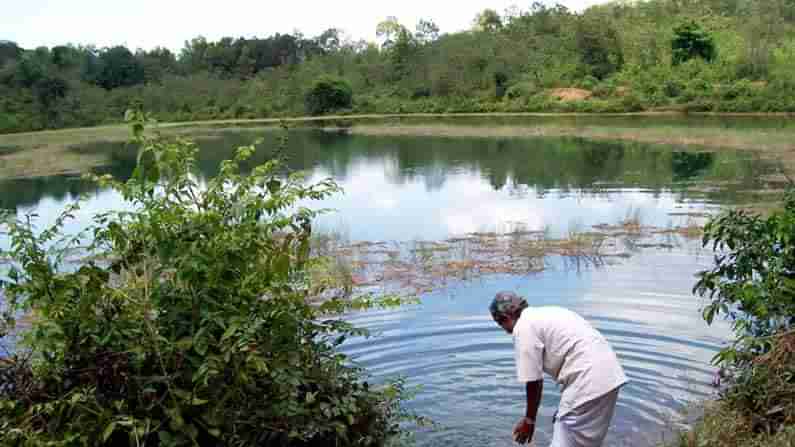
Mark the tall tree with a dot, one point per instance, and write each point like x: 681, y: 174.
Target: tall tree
x: 691, y: 41
x: 426, y: 31
x: 597, y: 42
x: 119, y: 68
x: 488, y: 20
x: 9, y: 51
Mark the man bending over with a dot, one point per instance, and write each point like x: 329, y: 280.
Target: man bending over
x: 559, y: 342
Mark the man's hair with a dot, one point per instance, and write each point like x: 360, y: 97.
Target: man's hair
x: 507, y: 304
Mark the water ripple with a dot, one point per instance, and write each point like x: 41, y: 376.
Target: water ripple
x: 465, y: 367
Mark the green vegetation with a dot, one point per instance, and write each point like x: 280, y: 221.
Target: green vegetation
x: 753, y: 285
x: 694, y: 55
x: 191, y: 322
x: 328, y: 95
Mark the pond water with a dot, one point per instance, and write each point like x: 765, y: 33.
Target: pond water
x: 429, y: 189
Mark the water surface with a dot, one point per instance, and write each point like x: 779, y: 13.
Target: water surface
x: 402, y: 189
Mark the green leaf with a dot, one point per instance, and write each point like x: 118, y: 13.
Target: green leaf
x: 109, y: 429
x: 184, y: 343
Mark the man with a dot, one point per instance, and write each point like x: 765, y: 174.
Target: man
x: 562, y: 344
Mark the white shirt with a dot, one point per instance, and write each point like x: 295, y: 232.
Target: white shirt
x: 559, y: 342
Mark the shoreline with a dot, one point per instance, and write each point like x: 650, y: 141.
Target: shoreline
x: 376, y: 116
x: 47, y: 153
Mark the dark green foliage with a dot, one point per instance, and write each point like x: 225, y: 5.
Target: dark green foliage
x: 192, y: 323
x: 691, y: 41
x: 500, y: 84
x: 119, y: 68
x: 328, y: 94
x: 599, y: 47
x: 9, y: 51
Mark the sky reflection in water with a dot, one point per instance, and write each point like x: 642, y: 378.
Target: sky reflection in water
x: 431, y: 189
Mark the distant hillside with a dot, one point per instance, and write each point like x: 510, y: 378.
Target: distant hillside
x: 690, y: 55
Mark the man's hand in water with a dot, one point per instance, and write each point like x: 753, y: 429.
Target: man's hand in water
x: 523, y: 431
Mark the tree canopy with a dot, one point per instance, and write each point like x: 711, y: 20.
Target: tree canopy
x: 695, y: 55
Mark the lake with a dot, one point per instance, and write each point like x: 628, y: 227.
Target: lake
x: 411, y: 189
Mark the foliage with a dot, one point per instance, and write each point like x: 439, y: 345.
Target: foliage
x: 753, y: 285
x: 190, y: 324
x: 119, y: 68
x: 753, y: 280
x: 724, y: 426
x: 691, y: 41
x: 598, y: 44
x: 669, y: 54
x: 9, y: 51
x: 488, y: 20
x: 328, y: 94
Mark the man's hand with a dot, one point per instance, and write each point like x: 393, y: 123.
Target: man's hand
x: 523, y: 431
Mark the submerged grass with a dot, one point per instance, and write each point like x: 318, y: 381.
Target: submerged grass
x: 415, y: 267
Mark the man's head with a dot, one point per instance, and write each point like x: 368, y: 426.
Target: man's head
x: 506, y: 309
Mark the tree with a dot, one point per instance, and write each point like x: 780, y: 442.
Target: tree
x: 9, y: 51
x: 329, y: 40
x: 65, y: 57
x: 157, y: 63
x: 327, y: 95
x: 691, y: 41
x: 193, y: 55
x: 119, y: 68
x: 598, y: 44
x: 389, y: 30
x: 488, y: 20
x: 426, y: 31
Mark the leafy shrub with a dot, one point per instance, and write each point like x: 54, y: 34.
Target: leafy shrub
x: 604, y: 89
x: 753, y: 285
x: 189, y: 324
x: 695, y: 89
x: 631, y: 103
x: 588, y: 83
x: 741, y: 88
x: 673, y: 88
x: 523, y: 89
x: 753, y: 282
x: 328, y: 94
x: 421, y: 92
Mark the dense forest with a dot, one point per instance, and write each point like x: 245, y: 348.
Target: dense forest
x: 623, y: 56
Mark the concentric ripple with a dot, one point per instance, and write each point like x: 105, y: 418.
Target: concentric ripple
x: 464, y: 363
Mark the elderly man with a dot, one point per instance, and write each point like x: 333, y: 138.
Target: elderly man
x: 562, y: 344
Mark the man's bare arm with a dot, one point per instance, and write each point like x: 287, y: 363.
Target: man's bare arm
x: 534, y: 390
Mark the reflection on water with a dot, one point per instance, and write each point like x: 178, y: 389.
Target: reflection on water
x: 433, y: 188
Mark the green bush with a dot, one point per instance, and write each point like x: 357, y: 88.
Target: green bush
x: 673, y: 88
x: 522, y: 89
x: 328, y: 94
x: 190, y: 322
x: 588, y: 83
x: 752, y: 284
x: 630, y: 102
x: 695, y: 89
